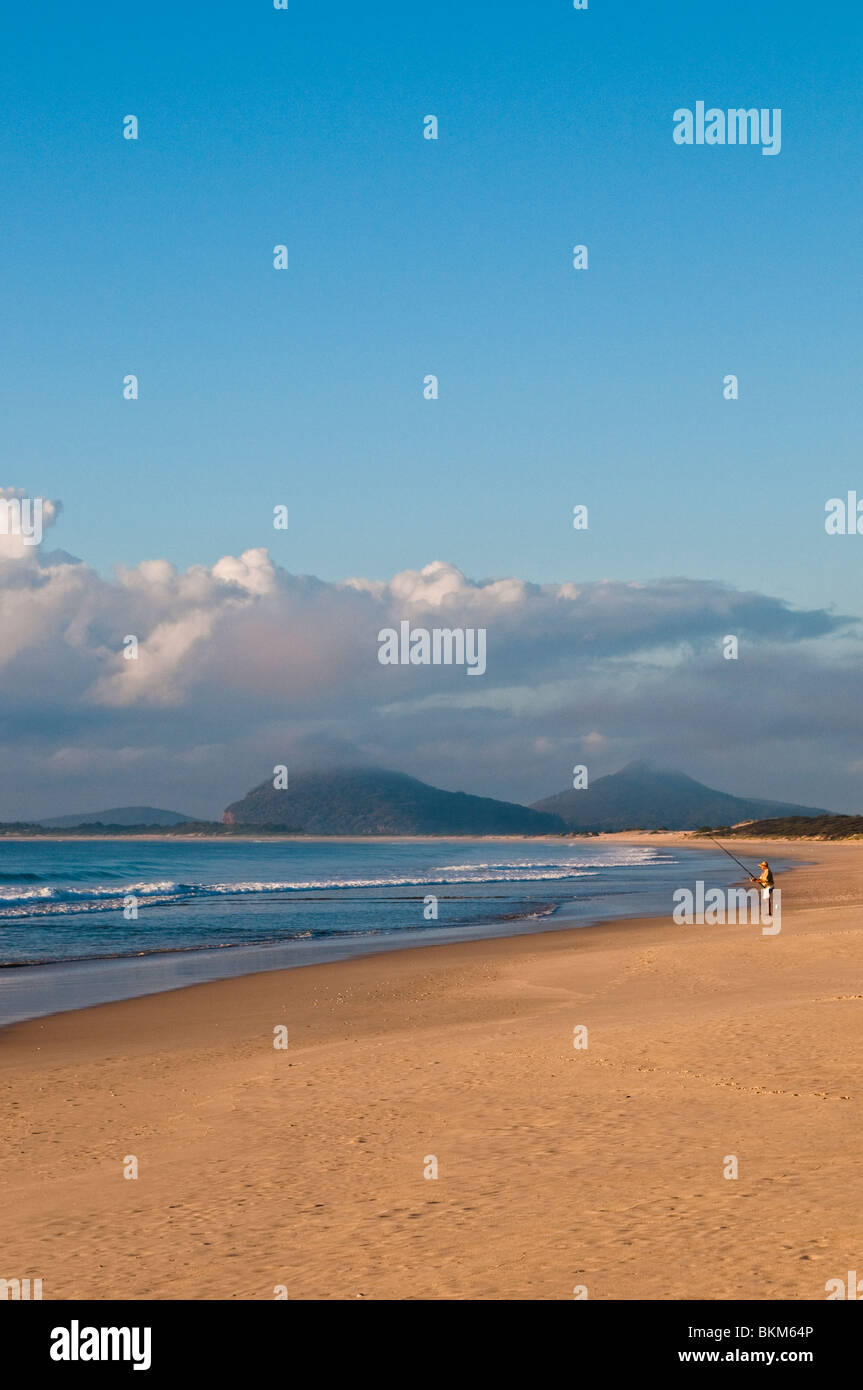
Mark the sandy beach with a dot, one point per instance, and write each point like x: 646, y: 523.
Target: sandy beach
x: 557, y: 1167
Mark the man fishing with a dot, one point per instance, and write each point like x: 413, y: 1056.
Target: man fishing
x: 765, y: 878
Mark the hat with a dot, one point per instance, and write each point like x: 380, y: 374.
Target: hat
x: 764, y: 864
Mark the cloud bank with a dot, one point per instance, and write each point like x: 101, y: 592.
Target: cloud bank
x: 243, y: 665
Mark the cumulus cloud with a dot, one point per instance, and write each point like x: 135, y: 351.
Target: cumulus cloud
x: 242, y: 665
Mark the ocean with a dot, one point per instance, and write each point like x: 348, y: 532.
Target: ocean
x: 89, y: 921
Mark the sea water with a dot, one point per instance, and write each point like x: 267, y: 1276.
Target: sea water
x: 88, y: 921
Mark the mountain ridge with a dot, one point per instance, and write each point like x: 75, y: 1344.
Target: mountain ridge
x: 378, y: 801
x: 646, y: 797
x: 115, y: 815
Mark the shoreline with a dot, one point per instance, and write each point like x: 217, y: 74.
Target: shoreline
x: 557, y: 1167
x: 103, y: 979
x: 600, y: 837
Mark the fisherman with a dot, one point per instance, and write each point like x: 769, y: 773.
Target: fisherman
x: 765, y: 878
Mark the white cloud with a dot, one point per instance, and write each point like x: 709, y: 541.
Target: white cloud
x: 243, y: 665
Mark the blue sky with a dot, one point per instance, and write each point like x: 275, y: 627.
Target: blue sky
x: 409, y: 256
x: 453, y: 257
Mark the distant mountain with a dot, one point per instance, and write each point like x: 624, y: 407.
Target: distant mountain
x: 373, y: 801
x: 118, y: 815
x: 645, y: 797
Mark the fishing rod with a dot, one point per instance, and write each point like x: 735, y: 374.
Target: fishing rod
x: 732, y: 856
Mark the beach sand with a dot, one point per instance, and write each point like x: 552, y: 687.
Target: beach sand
x: 557, y: 1167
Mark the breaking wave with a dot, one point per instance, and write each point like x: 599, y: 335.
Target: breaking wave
x: 18, y: 900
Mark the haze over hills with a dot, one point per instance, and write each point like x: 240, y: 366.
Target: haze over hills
x: 649, y: 798
x: 375, y: 801
x: 117, y: 815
